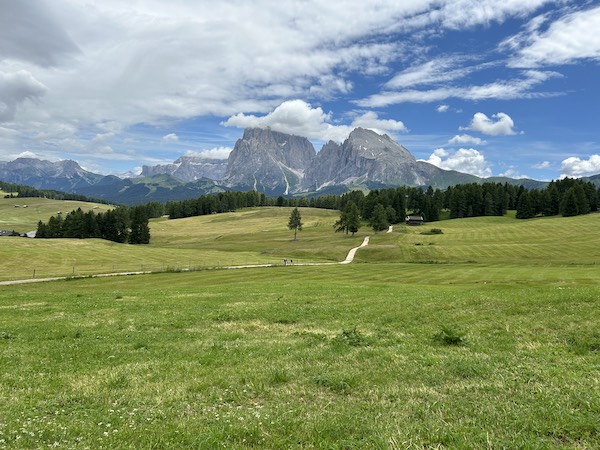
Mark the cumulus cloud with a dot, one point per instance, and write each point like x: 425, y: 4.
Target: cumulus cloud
x: 371, y: 120
x: 569, y: 39
x: 213, y: 153
x: 513, y: 172
x: 169, y: 138
x: 463, y: 160
x: 27, y: 154
x: 577, y: 167
x: 121, y: 64
x: 466, y: 139
x: 442, y: 108
x: 300, y: 118
x: 542, y: 165
x: 16, y: 88
x: 499, y: 124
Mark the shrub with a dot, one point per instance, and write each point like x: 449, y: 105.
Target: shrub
x: 433, y: 231
x: 353, y: 338
x: 450, y: 336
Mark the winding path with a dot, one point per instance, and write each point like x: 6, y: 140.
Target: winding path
x: 348, y: 260
x: 352, y: 252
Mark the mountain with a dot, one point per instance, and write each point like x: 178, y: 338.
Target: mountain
x: 190, y: 168
x: 65, y: 176
x: 158, y: 188
x: 268, y: 161
x: 367, y: 157
x: 264, y: 160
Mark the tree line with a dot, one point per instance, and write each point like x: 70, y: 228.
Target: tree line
x: 28, y: 191
x: 567, y: 197
x: 122, y: 224
x: 379, y: 207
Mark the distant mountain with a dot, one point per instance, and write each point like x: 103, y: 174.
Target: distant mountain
x: 159, y: 188
x: 190, y: 168
x: 264, y: 160
x: 268, y: 161
x: 368, y: 157
x: 65, y: 176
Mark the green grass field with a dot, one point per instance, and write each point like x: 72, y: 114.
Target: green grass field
x: 23, y: 214
x: 485, y: 336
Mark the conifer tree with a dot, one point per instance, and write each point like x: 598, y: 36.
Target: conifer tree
x: 295, y: 222
x: 379, y: 220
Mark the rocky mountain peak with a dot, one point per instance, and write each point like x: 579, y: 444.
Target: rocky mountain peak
x: 269, y: 161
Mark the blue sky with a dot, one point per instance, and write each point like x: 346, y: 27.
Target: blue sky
x: 489, y: 87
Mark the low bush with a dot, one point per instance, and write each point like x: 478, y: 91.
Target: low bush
x: 450, y: 336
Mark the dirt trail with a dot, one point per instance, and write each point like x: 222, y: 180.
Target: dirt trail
x: 352, y: 252
x: 348, y: 260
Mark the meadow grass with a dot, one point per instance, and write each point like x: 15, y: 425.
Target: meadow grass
x: 541, y: 241
x: 252, y: 236
x: 303, y: 357
x: 23, y: 219
x: 454, y: 340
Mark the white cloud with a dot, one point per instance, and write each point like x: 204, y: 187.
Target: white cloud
x: 169, y: 138
x: 435, y: 71
x: 463, y: 160
x: 300, y: 118
x: 513, y: 172
x: 27, y: 154
x: 106, y: 65
x: 569, y: 39
x: 371, y: 121
x: 213, y: 153
x: 442, y: 108
x: 515, y: 88
x: 499, y: 124
x: 542, y: 165
x: 466, y: 139
x: 15, y: 89
x: 29, y: 31
x: 577, y: 167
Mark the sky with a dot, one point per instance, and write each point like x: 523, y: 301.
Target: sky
x: 487, y: 87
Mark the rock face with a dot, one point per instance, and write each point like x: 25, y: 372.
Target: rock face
x: 190, y: 168
x: 364, y: 156
x: 269, y: 161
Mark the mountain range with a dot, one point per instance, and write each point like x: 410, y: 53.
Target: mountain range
x: 262, y: 159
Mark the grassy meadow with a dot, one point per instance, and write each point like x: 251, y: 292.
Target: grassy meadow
x: 485, y: 336
x: 23, y: 214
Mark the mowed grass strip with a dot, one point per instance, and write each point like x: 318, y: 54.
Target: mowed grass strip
x: 552, y: 240
x: 247, y: 237
x: 360, y: 356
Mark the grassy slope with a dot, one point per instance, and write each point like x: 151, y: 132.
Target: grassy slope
x: 253, y: 236
x: 314, y: 357
x: 26, y: 219
x: 491, y: 240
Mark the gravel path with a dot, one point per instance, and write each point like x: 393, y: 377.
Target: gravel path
x: 348, y: 260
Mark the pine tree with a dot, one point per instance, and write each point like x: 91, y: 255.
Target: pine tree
x: 353, y: 218
x: 295, y: 222
x: 140, y: 231
x: 568, y: 206
x: 379, y: 220
x: 524, y: 210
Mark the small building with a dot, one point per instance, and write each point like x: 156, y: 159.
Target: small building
x: 414, y: 220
